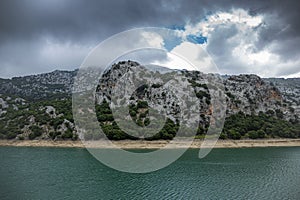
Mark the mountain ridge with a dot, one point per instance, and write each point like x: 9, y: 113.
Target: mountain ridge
x: 39, y: 106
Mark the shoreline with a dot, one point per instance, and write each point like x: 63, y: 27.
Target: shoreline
x: 142, y: 144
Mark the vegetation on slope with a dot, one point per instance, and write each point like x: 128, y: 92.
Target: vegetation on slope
x: 32, y: 119
x: 263, y: 125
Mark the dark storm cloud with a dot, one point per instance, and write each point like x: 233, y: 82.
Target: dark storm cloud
x: 26, y: 26
x: 282, y: 27
x: 71, y: 20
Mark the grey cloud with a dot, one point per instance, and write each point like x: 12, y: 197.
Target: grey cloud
x: 146, y: 56
x: 24, y: 25
x: 221, y: 49
x: 219, y: 46
x: 285, y: 69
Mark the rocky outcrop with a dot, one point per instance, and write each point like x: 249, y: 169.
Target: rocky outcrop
x: 247, y: 93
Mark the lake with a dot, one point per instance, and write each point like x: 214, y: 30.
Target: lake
x: 72, y: 173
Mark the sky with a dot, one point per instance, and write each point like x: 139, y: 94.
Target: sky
x: 257, y: 37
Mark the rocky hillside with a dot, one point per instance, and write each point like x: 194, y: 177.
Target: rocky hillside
x: 39, y: 106
x: 56, y: 84
x: 251, y: 94
x: 289, y: 88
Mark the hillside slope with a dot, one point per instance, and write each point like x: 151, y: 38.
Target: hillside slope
x: 39, y: 106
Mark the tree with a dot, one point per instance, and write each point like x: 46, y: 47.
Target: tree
x: 67, y: 135
x: 252, y: 134
x: 233, y: 134
x: 261, y: 134
x: 142, y: 104
x: 11, y: 135
x: 36, y: 131
x: 223, y: 136
x: 146, y: 121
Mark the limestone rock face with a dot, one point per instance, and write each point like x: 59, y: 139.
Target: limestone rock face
x: 247, y: 93
x: 252, y: 94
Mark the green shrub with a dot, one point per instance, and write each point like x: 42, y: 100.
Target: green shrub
x: 11, y: 135
x: 252, y: 134
x: 146, y: 121
x: 67, y: 135
x: 36, y: 131
x: 233, y: 134
x: 223, y: 136
x: 142, y: 104
x: 21, y: 137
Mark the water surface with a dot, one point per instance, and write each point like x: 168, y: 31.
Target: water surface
x: 72, y: 173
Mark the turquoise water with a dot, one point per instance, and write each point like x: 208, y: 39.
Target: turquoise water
x: 70, y: 173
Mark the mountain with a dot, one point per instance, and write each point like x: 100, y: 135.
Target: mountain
x: 39, y: 106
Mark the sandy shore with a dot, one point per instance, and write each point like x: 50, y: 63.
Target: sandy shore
x: 129, y: 144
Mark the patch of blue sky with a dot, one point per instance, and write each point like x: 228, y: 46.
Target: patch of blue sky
x: 177, y: 27
x: 197, y: 39
x: 172, y: 42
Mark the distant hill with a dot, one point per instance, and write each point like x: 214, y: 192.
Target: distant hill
x: 56, y: 84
